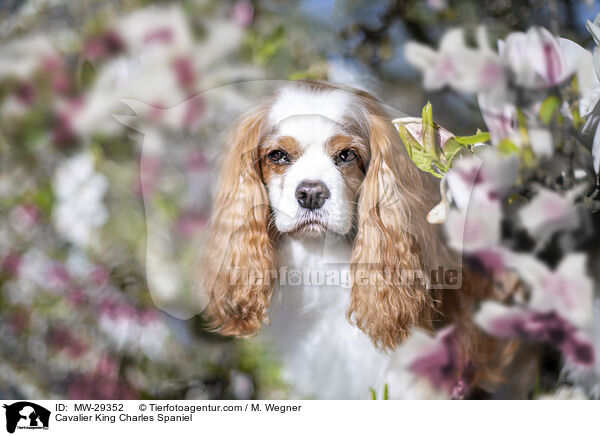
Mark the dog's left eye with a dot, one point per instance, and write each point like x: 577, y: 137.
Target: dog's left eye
x: 346, y: 155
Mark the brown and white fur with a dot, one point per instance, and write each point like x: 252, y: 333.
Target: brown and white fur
x: 335, y: 341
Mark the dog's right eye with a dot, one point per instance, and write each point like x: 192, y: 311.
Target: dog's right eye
x: 279, y: 157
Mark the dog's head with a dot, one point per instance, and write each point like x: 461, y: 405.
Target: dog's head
x: 313, y: 159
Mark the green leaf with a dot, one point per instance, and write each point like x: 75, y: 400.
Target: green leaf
x: 522, y: 126
x: 578, y: 121
x: 165, y: 205
x: 386, y: 393
x: 300, y: 74
x: 548, y: 108
x: 265, y: 47
x: 527, y: 157
x: 450, y: 149
x: 473, y: 139
x: 426, y: 163
x: 87, y: 74
x: 426, y: 152
x: 418, y: 155
x: 428, y: 129
x: 43, y: 198
x: 408, y: 140
x: 373, y: 394
x: 506, y: 146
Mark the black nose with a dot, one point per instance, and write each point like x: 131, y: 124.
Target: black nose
x: 311, y: 194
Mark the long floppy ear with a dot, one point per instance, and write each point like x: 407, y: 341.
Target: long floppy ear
x: 239, y: 255
x: 394, y: 246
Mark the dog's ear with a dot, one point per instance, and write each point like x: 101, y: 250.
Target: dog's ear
x: 239, y: 255
x: 394, y: 246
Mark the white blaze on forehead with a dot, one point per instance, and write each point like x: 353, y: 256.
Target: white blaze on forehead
x: 296, y: 100
x: 311, y: 117
x: 308, y: 130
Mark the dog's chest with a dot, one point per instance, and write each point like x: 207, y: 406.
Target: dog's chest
x: 323, y: 355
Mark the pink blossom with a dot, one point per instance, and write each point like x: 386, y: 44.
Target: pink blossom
x: 440, y: 361
x: 194, y: 109
x: 558, y: 310
x: 107, y: 366
x: 242, y: 13
x: 549, y: 327
x: 61, y: 338
x: 184, y: 70
x: 148, y: 316
x: 53, y: 67
x: 156, y: 110
x: 457, y: 65
x: 61, y: 83
x: 439, y: 68
x: 189, y: 224
x: 476, y: 185
x: 77, y: 297
x: 490, y: 74
x: 18, y: 320
x: 196, y: 161
x: 477, y: 228
x: 547, y: 213
x: 99, y: 276
x: 51, y: 63
x: 25, y: 93
x: 500, y: 118
x: 485, y: 172
x: 92, y: 386
x: 567, y: 290
x: 115, y: 310
x: 63, y: 133
x: 547, y: 57
x: 535, y: 58
x: 58, y: 276
x: 149, y: 172
x: 10, y: 264
x: 24, y: 217
x: 105, y: 45
x: 492, y: 258
x: 160, y: 35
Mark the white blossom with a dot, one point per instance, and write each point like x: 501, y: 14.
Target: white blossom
x: 478, y: 226
x: 535, y: 58
x: 456, y: 65
x: 486, y: 171
x: 22, y: 57
x: 79, y: 191
x: 548, y: 213
x: 568, y: 289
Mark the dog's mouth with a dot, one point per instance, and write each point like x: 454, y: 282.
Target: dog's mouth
x: 310, y: 226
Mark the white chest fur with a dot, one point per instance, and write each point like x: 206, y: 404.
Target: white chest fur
x: 323, y: 355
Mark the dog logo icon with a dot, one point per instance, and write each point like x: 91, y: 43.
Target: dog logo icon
x: 26, y: 415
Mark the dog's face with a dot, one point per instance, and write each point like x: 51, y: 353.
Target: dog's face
x: 315, y: 159
x: 312, y: 167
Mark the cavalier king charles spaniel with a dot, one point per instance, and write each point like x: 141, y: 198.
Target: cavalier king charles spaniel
x: 319, y: 234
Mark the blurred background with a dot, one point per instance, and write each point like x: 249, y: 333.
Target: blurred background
x: 111, y: 119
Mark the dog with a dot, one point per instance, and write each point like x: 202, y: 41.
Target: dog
x: 317, y: 182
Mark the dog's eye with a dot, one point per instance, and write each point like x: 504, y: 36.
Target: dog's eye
x: 347, y: 155
x: 279, y: 157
